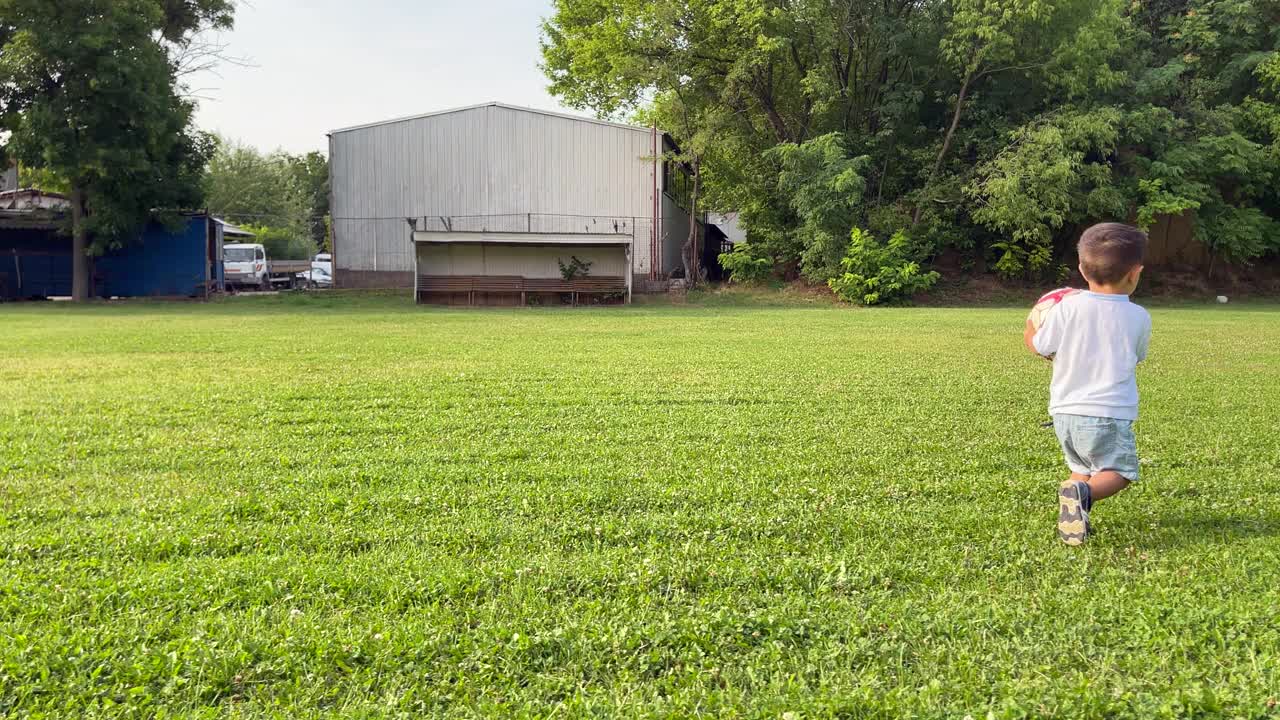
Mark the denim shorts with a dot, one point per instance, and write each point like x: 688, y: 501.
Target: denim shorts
x: 1094, y: 444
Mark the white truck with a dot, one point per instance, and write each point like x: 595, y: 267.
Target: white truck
x: 246, y: 265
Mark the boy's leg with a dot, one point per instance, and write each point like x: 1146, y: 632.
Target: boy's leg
x: 1118, y: 453
x: 1105, y: 484
x: 1073, y: 494
x: 1074, y: 501
x: 1086, y: 492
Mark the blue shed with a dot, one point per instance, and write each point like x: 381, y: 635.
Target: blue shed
x: 35, y: 260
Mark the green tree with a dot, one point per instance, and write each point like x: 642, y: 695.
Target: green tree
x: 1191, y: 126
x: 744, y: 266
x: 1210, y: 75
x: 991, y: 129
x: 287, y: 194
x: 282, y: 243
x: 1056, y: 171
x: 247, y: 186
x: 311, y: 178
x: 985, y: 38
x: 89, y: 92
x: 825, y: 188
x: 698, y: 63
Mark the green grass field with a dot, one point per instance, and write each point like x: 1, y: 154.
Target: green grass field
x: 355, y: 507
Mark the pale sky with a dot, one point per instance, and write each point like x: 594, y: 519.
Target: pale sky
x: 318, y: 65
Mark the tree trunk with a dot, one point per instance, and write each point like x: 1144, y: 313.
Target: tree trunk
x: 884, y: 171
x: 79, y: 247
x: 946, y: 142
x: 689, y: 253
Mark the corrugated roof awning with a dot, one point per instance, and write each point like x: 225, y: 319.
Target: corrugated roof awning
x: 229, y: 230
x: 35, y: 219
x: 510, y: 238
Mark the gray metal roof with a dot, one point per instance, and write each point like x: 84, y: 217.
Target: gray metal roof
x: 505, y: 106
x: 229, y: 230
x: 517, y: 238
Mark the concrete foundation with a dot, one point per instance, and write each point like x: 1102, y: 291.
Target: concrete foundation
x: 373, y: 279
x: 645, y: 285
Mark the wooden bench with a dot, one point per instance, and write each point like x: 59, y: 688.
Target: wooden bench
x: 597, y: 285
x: 444, y: 284
x: 472, y: 284
x: 547, y: 285
x: 499, y: 284
x: 602, y: 284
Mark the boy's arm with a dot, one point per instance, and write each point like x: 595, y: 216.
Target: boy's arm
x: 1144, y: 340
x: 1044, y: 342
x: 1028, y: 337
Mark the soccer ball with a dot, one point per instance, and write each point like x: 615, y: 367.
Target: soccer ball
x: 1046, y: 303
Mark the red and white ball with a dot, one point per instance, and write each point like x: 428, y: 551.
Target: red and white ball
x: 1047, y: 302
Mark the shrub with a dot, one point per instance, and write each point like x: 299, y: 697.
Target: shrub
x: 574, y: 268
x: 823, y: 183
x: 282, y: 243
x: 875, y: 273
x: 743, y: 266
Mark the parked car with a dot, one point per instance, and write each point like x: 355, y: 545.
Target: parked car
x: 323, y: 261
x: 316, y: 277
x: 245, y: 265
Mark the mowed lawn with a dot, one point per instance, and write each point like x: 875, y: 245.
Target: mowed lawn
x: 355, y: 507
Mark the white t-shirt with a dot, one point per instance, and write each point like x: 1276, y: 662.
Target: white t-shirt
x: 1097, y: 341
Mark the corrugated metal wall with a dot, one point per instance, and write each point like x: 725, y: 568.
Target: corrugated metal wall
x: 157, y: 263
x: 489, y: 160
x: 675, y: 233
x: 161, y: 263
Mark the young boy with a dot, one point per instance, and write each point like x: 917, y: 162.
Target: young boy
x: 1096, y: 339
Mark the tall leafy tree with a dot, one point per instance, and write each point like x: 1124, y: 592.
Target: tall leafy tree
x: 248, y: 186
x: 89, y: 92
x: 1016, y: 37
x: 697, y: 66
x: 734, y: 79
x: 311, y: 178
x: 986, y: 129
x: 288, y: 195
x: 1190, y: 123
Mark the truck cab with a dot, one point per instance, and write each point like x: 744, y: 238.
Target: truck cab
x: 245, y: 265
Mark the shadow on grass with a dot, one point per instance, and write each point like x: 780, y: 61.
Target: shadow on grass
x: 1179, y: 531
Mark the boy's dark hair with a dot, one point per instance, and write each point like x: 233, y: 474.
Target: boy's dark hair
x: 1108, y: 251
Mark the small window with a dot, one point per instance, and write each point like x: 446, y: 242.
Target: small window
x: 262, y: 255
x: 678, y: 184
